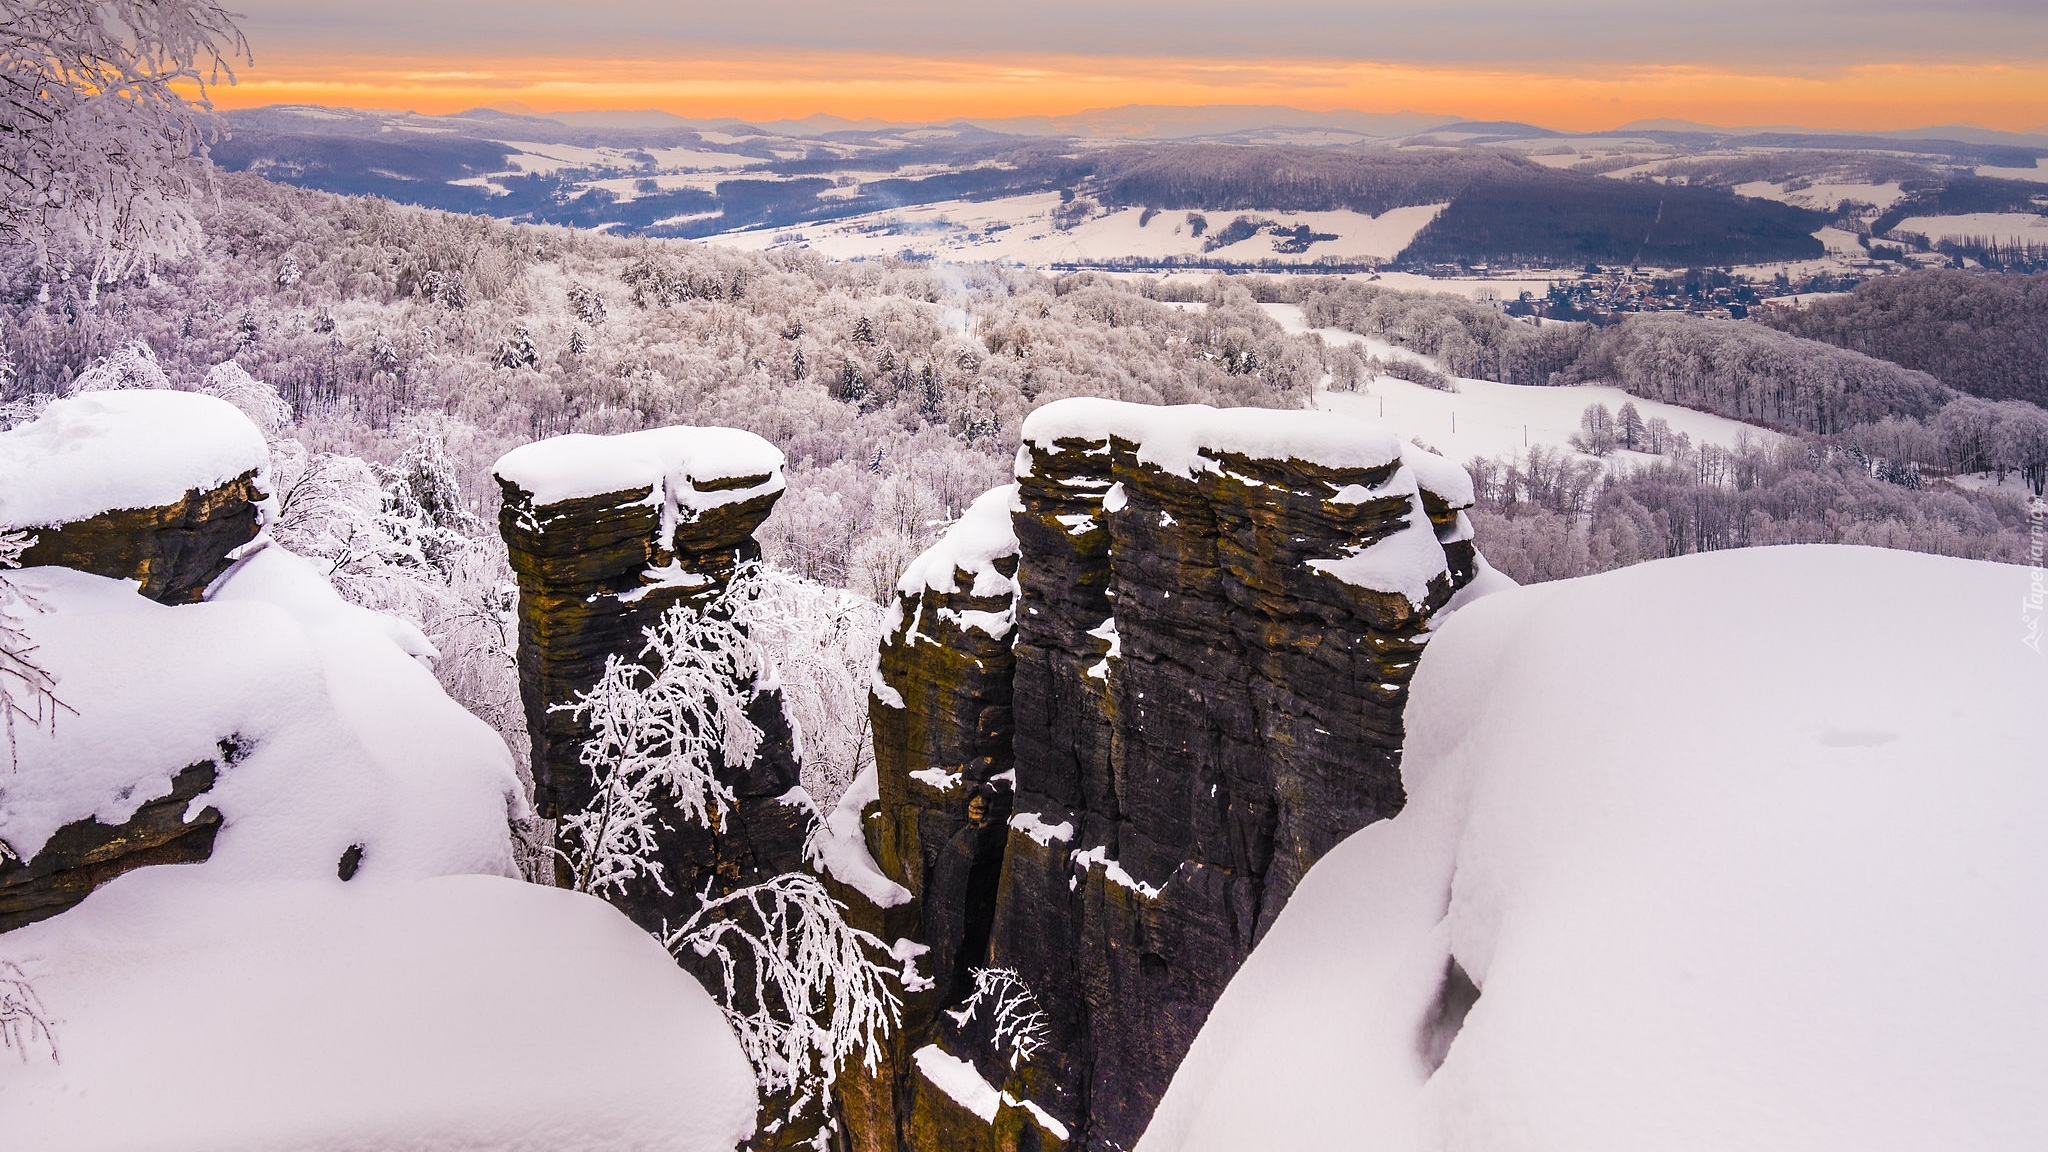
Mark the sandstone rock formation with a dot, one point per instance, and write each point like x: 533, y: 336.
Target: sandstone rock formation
x: 605, y: 534
x: 174, y: 551
x: 156, y: 487
x: 84, y: 855
x: 1200, y: 638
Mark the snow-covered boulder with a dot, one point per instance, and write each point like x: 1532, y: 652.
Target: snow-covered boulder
x: 453, y: 1014
x: 154, y: 486
x: 347, y: 962
x: 1739, y: 850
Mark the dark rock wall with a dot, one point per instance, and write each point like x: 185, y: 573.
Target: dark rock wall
x: 175, y: 551
x: 1197, y: 715
x: 944, y: 771
x: 83, y: 855
x: 590, y: 574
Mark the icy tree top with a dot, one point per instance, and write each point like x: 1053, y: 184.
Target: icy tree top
x: 695, y: 468
x: 1181, y: 438
x: 101, y: 451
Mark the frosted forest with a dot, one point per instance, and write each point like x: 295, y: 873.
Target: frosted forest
x: 478, y: 684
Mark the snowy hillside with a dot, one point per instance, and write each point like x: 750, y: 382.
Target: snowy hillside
x: 1689, y: 860
x: 1030, y: 231
x: 1486, y: 418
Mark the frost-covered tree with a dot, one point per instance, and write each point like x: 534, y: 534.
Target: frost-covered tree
x: 821, y: 641
x: 660, y: 726
x: 28, y: 692
x: 1629, y: 427
x: 1596, y: 431
x: 133, y: 365
x: 1018, y: 1026
x: 25, y: 1023
x: 98, y: 147
x: 257, y: 400
x: 799, y: 985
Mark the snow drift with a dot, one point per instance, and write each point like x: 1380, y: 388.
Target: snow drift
x: 1739, y: 850
x: 354, y: 965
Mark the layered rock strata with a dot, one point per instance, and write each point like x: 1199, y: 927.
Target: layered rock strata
x: 83, y: 855
x: 1215, y: 617
x: 157, y: 487
x: 606, y: 533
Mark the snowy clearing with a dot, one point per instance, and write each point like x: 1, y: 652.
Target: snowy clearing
x: 1998, y: 227
x: 1483, y: 418
x: 1611, y: 917
x: 1020, y: 230
x: 1822, y: 197
x: 2038, y: 172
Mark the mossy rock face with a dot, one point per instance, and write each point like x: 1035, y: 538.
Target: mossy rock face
x: 85, y: 854
x: 174, y: 551
x: 588, y: 590
x: 1248, y: 720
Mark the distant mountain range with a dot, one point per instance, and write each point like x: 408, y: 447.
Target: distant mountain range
x: 1670, y: 193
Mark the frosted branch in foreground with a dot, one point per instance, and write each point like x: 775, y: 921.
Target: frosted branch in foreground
x: 1020, y: 1025
x: 24, y: 1022
x: 659, y: 728
x: 800, y: 989
x: 27, y: 690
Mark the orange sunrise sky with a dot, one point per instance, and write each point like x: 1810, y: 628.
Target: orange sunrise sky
x: 1570, y: 64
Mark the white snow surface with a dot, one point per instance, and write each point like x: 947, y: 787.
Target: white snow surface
x: 839, y: 848
x: 671, y: 460
x: 1999, y: 227
x: 958, y: 1079
x: 1021, y: 230
x: 256, y: 1001
x: 100, y: 451
x: 453, y: 1014
x: 1179, y: 438
x: 1729, y: 869
x: 346, y: 739
x: 972, y: 544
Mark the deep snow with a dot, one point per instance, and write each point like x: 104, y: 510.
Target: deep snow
x: 259, y: 1002
x: 1742, y: 850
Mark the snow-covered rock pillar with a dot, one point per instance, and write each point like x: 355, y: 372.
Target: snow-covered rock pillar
x: 1210, y: 620
x: 605, y: 534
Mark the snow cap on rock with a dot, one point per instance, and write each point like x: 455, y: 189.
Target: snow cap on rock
x: 695, y: 468
x: 102, y: 451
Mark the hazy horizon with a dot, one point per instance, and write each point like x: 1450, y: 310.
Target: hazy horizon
x: 1580, y: 65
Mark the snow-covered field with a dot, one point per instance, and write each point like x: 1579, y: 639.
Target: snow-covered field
x: 1689, y: 861
x: 1021, y: 230
x: 2002, y: 227
x: 2038, y: 172
x: 1483, y: 418
x: 1822, y: 197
